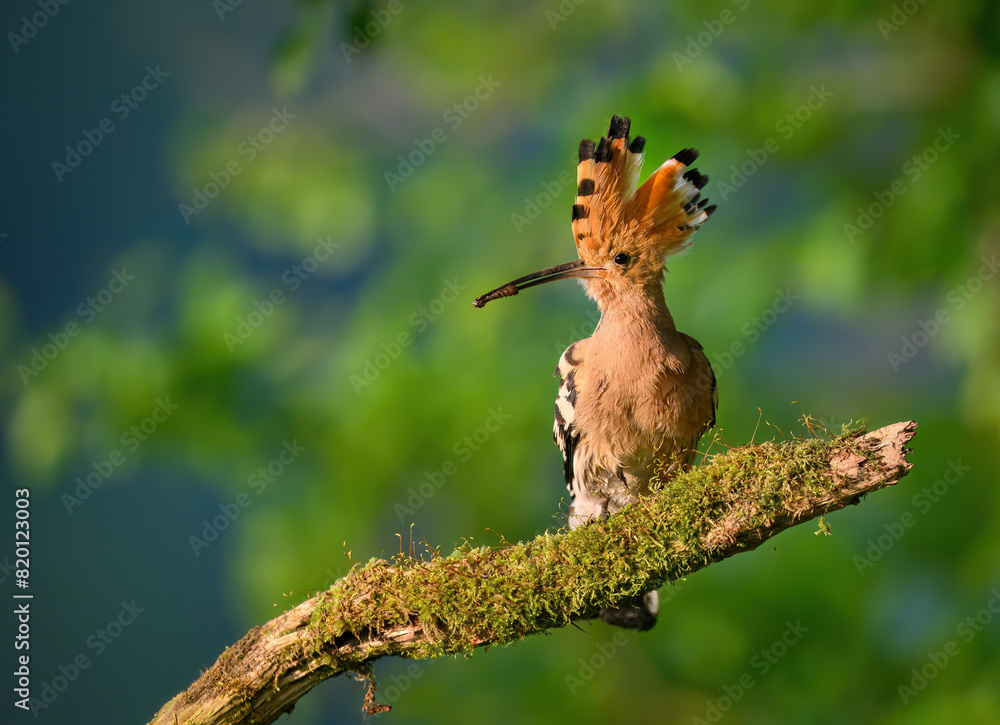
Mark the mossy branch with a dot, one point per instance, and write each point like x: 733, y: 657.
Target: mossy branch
x: 492, y: 596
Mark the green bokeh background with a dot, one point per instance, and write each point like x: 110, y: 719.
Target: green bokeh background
x: 808, y: 117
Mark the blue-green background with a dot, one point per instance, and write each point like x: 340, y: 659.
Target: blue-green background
x: 885, y: 81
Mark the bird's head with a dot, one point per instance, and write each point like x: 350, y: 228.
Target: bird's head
x: 624, y: 231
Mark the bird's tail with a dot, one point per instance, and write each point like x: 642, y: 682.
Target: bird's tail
x: 640, y: 614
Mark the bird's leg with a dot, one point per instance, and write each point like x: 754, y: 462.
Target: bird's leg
x: 604, y: 509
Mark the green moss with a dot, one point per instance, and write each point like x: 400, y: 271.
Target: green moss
x: 448, y: 605
x: 502, y: 594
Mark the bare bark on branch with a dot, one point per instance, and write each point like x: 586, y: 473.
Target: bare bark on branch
x: 490, y: 596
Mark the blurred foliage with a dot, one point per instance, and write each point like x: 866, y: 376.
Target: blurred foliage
x: 403, y: 259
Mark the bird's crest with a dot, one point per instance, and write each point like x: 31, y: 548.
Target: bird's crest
x: 624, y: 231
x: 662, y: 214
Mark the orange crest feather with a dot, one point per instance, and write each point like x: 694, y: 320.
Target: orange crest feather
x: 663, y: 213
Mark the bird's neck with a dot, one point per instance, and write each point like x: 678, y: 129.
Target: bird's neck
x: 638, y: 316
x: 635, y: 345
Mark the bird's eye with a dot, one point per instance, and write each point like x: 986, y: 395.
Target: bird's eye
x: 621, y: 258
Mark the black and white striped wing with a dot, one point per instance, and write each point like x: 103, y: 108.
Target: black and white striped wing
x: 563, y: 429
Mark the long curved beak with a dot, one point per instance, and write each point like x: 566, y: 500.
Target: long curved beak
x: 576, y: 268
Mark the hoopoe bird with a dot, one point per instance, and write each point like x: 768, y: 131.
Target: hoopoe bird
x: 637, y: 390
